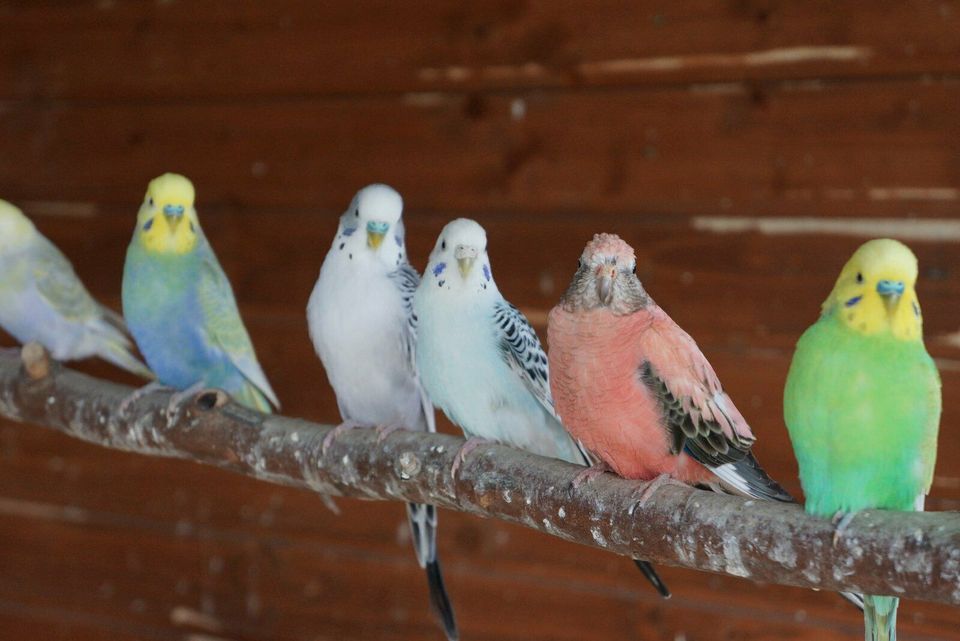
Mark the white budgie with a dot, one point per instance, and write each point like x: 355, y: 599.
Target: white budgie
x: 42, y: 300
x: 480, y: 360
x: 361, y: 322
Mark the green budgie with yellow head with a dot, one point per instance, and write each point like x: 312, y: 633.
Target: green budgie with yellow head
x: 862, y: 402
x: 179, y: 304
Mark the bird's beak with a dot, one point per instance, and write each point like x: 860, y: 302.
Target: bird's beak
x: 605, y: 277
x: 376, y: 231
x: 466, y: 256
x: 173, y: 214
x: 890, y: 291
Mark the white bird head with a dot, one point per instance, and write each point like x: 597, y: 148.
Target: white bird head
x: 374, y: 215
x: 16, y: 230
x: 459, y: 260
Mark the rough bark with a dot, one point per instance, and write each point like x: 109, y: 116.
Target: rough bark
x: 915, y: 555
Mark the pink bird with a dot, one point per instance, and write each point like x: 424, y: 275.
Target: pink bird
x: 636, y: 390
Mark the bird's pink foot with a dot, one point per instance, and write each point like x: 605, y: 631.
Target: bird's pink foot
x: 177, y: 399
x: 647, y: 491
x: 472, y: 443
x: 137, y: 394
x: 386, y: 430
x: 841, y: 522
x: 588, y: 474
x: 334, y: 433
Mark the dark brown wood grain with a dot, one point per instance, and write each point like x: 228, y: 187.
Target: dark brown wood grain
x: 883, y: 148
x: 139, y: 50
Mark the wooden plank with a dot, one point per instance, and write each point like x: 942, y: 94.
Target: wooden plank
x: 879, y: 149
x: 295, y: 47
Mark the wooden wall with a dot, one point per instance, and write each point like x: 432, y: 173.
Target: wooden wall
x: 745, y: 147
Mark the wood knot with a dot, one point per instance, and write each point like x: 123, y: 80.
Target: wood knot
x: 210, y: 399
x: 36, y: 361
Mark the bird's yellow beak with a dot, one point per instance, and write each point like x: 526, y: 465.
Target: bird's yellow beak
x: 466, y: 256
x: 376, y: 231
x: 374, y: 240
x: 465, y: 265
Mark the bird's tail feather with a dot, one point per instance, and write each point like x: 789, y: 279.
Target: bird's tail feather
x: 651, y: 573
x: 880, y: 618
x: 120, y: 355
x: 253, y: 398
x: 423, y: 530
x: 747, y: 477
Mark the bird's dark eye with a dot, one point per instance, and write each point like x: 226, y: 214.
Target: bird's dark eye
x: 150, y: 201
x: 356, y: 212
x: 443, y: 244
x: 859, y: 278
x: 579, y: 263
x: 633, y: 268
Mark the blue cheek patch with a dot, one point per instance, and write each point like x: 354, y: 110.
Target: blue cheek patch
x: 486, y: 272
x: 399, y: 240
x: 853, y: 301
x: 147, y: 225
x: 439, y: 269
x: 348, y: 231
x: 916, y: 310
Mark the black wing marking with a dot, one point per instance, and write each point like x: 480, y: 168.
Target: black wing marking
x: 703, y: 439
x: 522, y: 351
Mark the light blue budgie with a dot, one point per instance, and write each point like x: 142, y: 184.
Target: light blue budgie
x: 480, y: 360
x: 361, y: 322
x: 179, y: 304
x: 42, y: 300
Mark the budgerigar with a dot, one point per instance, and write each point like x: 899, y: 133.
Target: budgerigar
x: 481, y: 361
x: 361, y: 322
x: 862, y: 401
x: 42, y: 300
x: 637, y: 392
x: 634, y: 388
x: 179, y: 304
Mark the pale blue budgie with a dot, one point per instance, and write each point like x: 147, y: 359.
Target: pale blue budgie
x: 42, y: 300
x: 480, y: 360
x: 361, y: 321
x: 179, y: 304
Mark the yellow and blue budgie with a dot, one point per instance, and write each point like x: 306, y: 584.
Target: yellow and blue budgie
x: 179, y: 304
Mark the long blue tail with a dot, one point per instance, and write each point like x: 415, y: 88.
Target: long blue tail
x: 880, y: 618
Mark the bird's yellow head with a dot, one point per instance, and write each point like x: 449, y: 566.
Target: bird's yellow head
x: 16, y: 230
x: 875, y: 291
x: 167, y: 222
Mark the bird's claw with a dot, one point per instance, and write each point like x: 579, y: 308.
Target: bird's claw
x: 334, y: 433
x: 841, y: 522
x: 137, y: 394
x: 471, y: 444
x: 177, y: 400
x: 588, y: 474
x: 647, y: 491
x: 386, y: 430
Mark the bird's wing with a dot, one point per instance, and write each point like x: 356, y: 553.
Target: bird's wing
x: 701, y: 418
x: 522, y: 352
x: 223, y: 325
x: 58, y: 285
x: 928, y: 449
x: 406, y: 279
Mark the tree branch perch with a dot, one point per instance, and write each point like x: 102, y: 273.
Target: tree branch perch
x: 914, y: 555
